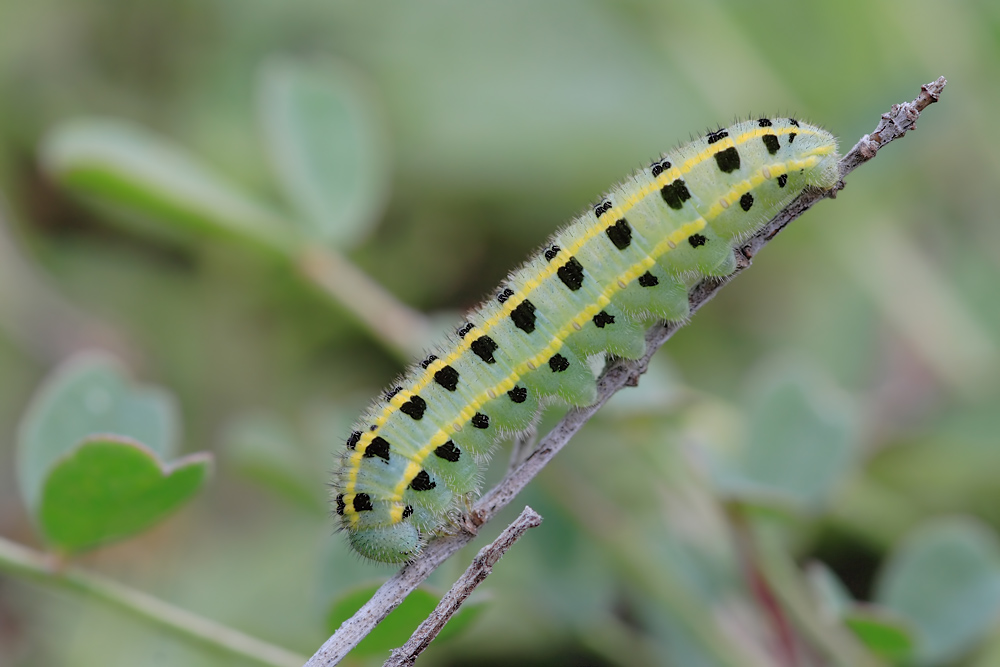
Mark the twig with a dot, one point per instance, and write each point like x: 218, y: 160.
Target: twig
x: 481, y: 567
x: 38, y: 567
x: 617, y: 374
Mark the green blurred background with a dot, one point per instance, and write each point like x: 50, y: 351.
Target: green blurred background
x: 496, y: 122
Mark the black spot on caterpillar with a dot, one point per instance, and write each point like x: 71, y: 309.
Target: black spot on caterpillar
x: 620, y: 234
x: 596, y: 282
x: 571, y: 274
x: 524, y: 316
x: 518, y: 394
x: 728, y: 160
x: 484, y: 347
x: 602, y: 319
x: 414, y: 407
x: 658, y: 168
x: 771, y: 143
x: 716, y: 136
x: 447, y: 377
x: 422, y: 482
x: 558, y: 363
x: 377, y: 447
x: 449, y: 452
x: 675, y: 194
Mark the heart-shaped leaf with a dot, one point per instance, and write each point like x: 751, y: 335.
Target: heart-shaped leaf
x: 111, y: 487
x: 327, y: 145
x: 88, y: 395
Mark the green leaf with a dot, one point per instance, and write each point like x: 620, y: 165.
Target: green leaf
x: 404, y: 619
x: 882, y: 633
x: 88, y: 395
x: 125, y: 165
x: 109, y: 487
x: 945, y: 580
x: 800, y: 443
x: 327, y: 145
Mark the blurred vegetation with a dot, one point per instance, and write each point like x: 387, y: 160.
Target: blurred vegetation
x: 214, y: 191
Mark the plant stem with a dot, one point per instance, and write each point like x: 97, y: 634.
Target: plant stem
x: 749, y: 555
x: 403, y: 331
x: 20, y: 561
x: 786, y: 582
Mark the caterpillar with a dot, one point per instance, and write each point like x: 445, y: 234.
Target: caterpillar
x: 414, y: 457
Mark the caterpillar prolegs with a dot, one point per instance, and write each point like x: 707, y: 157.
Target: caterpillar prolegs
x: 416, y: 453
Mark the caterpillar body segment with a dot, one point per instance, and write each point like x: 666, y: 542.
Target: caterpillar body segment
x: 416, y: 454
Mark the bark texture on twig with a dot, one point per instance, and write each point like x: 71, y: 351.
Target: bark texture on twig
x: 617, y: 374
x: 481, y: 567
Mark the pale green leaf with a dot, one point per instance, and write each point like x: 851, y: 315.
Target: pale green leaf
x: 326, y: 142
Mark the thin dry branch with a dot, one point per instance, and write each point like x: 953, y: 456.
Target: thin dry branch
x: 481, y: 567
x: 617, y: 374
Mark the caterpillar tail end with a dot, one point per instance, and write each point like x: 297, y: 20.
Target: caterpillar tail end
x: 398, y: 543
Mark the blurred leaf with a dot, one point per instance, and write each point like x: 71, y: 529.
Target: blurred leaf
x: 110, y: 487
x: 945, y: 580
x: 126, y: 165
x: 326, y: 143
x: 265, y: 450
x: 833, y: 596
x: 882, y: 633
x: 88, y: 395
x: 404, y: 619
x: 799, y: 445
x: 658, y: 393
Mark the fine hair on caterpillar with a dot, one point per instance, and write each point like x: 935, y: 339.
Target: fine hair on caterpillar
x: 415, y: 456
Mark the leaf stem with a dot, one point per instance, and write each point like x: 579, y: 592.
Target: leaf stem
x: 26, y: 563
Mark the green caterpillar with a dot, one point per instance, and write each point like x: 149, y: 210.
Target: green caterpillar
x: 416, y: 453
